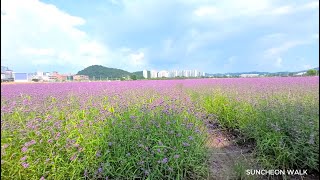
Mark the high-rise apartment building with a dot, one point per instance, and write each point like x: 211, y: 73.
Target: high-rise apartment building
x: 172, y: 73
x: 163, y: 74
x: 153, y: 74
x: 145, y: 74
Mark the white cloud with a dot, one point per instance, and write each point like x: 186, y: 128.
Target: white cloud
x: 306, y: 66
x: 38, y: 51
x: 234, y: 9
x: 199, y: 30
x: 311, y: 5
x: 282, y: 10
x: 137, y: 58
x: 222, y: 10
x: 43, y: 34
x: 92, y: 49
x: 283, y: 47
x: 206, y: 11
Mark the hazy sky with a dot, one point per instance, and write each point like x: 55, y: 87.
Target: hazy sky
x: 208, y: 35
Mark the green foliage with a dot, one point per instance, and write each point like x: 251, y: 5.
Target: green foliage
x: 285, y: 128
x: 139, y: 74
x: 133, y: 77
x: 98, y: 72
x: 77, y: 143
x: 311, y: 72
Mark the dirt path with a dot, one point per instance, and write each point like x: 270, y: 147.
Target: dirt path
x: 227, y: 160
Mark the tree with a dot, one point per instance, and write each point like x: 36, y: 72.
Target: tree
x: 133, y: 77
x: 311, y: 72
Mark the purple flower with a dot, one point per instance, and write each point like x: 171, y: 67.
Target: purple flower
x: 25, y: 165
x: 146, y: 172
x: 158, y: 150
x: 23, y: 158
x: 24, y: 149
x: 58, y: 135
x: 42, y: 178
x: 98, y: 154
x: 30, y: 143
x: 190, y: 138
x: 165, y: 160
x: 100, y: 170
x: 73, y: 157
x: 80, y: 149
x: 176, y: 156
x: 185, y: 144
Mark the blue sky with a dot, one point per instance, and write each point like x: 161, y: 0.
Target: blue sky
x: 209, y: 35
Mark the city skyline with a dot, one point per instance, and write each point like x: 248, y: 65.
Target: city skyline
x: 172, y: 73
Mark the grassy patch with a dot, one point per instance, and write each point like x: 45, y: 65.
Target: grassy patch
x: 284, y: 128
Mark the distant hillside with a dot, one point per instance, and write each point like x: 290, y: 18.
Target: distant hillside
x: 102, y: 72
x: 260, y: 73
x: 139, y: 74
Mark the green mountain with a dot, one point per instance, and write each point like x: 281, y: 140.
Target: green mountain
x: 139, y: 74
x: 98, y: 71
x: 101, y: 72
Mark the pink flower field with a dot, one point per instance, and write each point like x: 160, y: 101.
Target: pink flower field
x: 154, y: 129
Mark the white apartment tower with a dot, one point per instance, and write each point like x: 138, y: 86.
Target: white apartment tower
x: 163, y: 74
x: 145, y: 74
x: 153, y: 74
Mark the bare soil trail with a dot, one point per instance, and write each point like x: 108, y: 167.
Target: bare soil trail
x: 229, y: 161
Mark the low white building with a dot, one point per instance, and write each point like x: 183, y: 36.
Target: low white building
x: 300, y: 74
x: 249, y: 75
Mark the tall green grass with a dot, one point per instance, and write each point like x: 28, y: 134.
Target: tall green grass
x: 90, y: 143
x: 285, y: 128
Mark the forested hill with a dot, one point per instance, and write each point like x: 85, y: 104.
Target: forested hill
x: 98, y: 71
